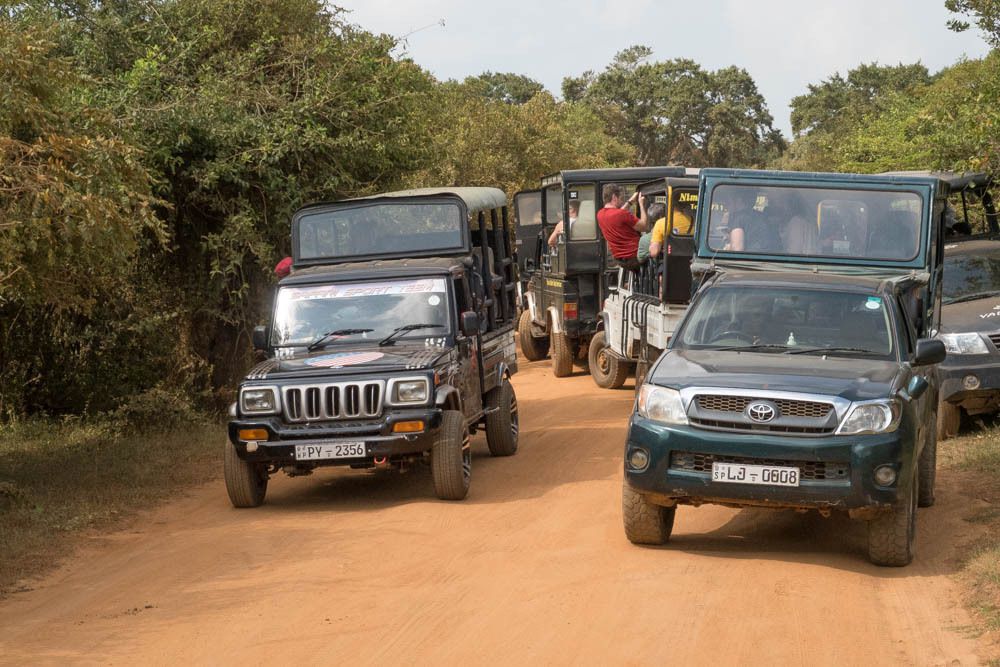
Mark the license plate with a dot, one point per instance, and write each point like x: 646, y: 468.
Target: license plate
x: 337, y: 450
x: 744, y: 473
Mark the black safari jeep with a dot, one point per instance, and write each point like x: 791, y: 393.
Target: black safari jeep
x: 803, y: 375
x: 390, y: 343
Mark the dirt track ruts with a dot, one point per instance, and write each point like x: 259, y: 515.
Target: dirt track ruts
x: 349, y: 567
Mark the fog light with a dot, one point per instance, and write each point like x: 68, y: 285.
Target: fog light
x: 885, y: 475
x: 252, y: 447
x: 253, y: 434
x: 638, y: 459
x: 970, y: 382
x: 408, y: 427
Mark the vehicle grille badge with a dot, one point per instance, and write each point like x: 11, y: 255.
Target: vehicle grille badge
x: 761, y: 411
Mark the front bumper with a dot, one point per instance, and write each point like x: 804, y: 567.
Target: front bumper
x: 985, y: 367
x: 380, y: 442
x: 850, y: 460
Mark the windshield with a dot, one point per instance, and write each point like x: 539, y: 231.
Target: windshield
x: 303, y: 314
x: 788, y: 320
x: 380, y: 228
x: 969, y: 274
x: 815, y: 222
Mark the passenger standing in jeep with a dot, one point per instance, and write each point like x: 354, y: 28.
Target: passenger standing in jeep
x: 621, y: 228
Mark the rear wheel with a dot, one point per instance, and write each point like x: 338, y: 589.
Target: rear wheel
x: 501, y: 421
x: 246, y: 483
x: 533, y: 347
x: 645, y: 523
x: 562, y: 355
x: 890, y: 535
x: 451, y: 458
x: 608, y: 371
x: 949, y: 417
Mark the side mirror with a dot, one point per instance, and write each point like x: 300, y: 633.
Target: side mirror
x: 929, y: 351
x: 470, y: 323
x: 916, y: 387
x: 260, y: 337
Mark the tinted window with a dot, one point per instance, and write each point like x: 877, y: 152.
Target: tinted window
x: 790, y: 319
x: 585, y: 227
x: 968, y: 274
x: 815, y: 222
x: 380, y: 228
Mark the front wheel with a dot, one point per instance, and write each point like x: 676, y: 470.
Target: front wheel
x: 949, y: 417
x: 927, y: 473
x: 890, y: 535
x: 246, y: 483
x: 451, y: 458
x: 501, y: 420
x: 645, y: 523
x: 533, y: 347
x: 608, y: 371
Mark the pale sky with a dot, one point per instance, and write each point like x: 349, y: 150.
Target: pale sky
x: 783, y: 44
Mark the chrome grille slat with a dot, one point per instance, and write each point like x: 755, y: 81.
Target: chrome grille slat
x: 812, y: 470
x: 343, y: 400
x: 788, y: 407
x: 995, y: 339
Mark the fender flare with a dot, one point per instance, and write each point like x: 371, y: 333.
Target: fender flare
x: 557, y: 326
x: 448, y: 398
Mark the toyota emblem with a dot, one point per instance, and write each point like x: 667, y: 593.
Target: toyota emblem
x: 761, y: 411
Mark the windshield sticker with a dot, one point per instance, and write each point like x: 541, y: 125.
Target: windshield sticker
x: 349, y: 290
x: 434, y: 299
x: 342, y: 359
x: 873, y: 303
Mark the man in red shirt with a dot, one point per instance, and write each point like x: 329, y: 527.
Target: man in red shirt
x: 620, y: 227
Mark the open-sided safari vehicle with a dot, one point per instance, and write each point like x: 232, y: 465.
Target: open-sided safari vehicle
x: 639, y: 317
x: 571, y: 273
x: 802, y: 376
x: 389, y: 344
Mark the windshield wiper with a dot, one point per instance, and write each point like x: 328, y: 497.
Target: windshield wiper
x: 390, y: 339
x: 809, y: 350
x: 321, y: 341
x: 743, y: 348
x: 971, y: 297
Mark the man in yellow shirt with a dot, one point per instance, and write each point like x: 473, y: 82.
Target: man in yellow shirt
x: 681, y: 223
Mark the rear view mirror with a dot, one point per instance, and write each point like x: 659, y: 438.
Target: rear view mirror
x: 929, y: 351
x: 260, y: 337
x: 470, y: 323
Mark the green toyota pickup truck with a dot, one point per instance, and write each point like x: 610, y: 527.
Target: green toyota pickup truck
x: 802, y: 375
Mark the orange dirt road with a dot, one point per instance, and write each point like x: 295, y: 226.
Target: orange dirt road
x: 533, y: 567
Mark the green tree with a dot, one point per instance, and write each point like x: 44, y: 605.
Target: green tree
x: 676, y: 112
x: 985, y: 13
x: 504, y: 87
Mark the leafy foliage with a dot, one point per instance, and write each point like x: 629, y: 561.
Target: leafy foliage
x: 986, y: 14
x: 504, y: 87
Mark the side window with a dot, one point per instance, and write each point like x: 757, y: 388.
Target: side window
x: 583, y: 201
x: 553, y: 205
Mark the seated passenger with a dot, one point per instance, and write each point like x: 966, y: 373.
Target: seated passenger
x: 748, y: 230
x: 679, y: 222
x: 658, y: 213
x: 574, y: 211
x: 894, y: 236
x: 798, y: 228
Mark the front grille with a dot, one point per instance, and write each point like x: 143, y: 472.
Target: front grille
x: 995, y: 339
x: 787, y: 407
x: 813, y: 470
x: 767, y: 428
x: 354, y: 400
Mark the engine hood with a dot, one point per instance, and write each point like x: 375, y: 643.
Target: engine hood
x: 850, y: 378
x: 346, y: 361
x: 971, y: 316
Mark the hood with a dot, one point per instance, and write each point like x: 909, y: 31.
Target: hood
x: 850, y: 378
x: 971, y: 316
x: 347, y: 360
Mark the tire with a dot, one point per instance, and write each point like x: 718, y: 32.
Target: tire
x: 890, y: 535
x: 562, y: 355
x: 641, y: 369
x: 451, y: 458
x: 927, y: 473
x: 949, y: 417
x: 501, y: 421
x: 608, y: 371
x: 246, y: 482
x: 645, y: 523
x: 533, y: 348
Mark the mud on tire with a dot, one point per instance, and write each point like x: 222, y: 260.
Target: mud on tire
x: 246, y: 483
x: 502, y: 420
x: 533, y: 348
x: 608, y: 371
x: 562, y: 355
x: 927, y: 472
x: 890, y: 535
x: 645, y: 523
x: 451, y: 458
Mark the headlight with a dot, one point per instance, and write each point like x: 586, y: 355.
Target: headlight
x: 875, y: 417
x: 257, y: 401
x: 964, y: 343
x: 410, y: 391
x: 661, y: 404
